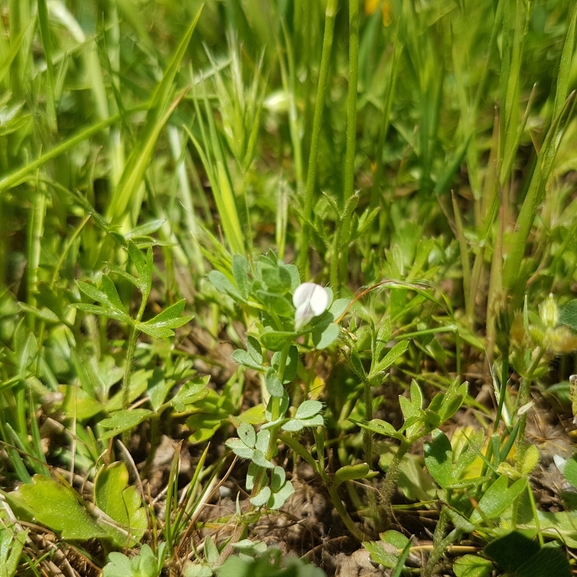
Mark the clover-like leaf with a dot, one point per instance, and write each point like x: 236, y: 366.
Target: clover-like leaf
x: 276, y: 340
x: 252, y: 357
x: 291, y: 364
x: 273, y: 384
x: 247, y: 434
x: 262, y: 498
x: 280, y: 497
x: 325, y: 335
x: 239, y: 448
x: 224, y: 286
x: 308, y: 409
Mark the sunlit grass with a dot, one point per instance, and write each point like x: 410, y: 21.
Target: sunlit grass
x: 416, y: 157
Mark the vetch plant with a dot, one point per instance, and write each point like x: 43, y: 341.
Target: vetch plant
x: 286, y: 310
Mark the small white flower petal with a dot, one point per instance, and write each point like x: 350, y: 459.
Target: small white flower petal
x: 310, y: 300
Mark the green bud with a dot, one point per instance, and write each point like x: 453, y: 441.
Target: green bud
x: 549, y: 312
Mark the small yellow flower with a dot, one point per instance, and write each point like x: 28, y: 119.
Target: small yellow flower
x: 386, y: 8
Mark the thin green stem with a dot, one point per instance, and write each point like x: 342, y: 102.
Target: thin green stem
x: 523, y: 399
x: 276, y: 415
x: 367, y: 435
x: 330, y: 15
x: 391, y: 481
x: 128, y: 366
x: 333, y: 492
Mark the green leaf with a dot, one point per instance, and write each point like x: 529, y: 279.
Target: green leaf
x: 472, y: 566
x: 12, y: 541
x: 338, y: 307
x: 93, y: 293
x: 120, y: 502
x: 570, y: 470
x: 397, y: 351
x: 439, y: 459
x: 568, y: 315
x: 145, y: 229
x: 143, y: 264
x: 377, y: 426
x: 58, y: 507
x: 244, y: 358
x: 273, y: 384
x: 416, y: 395
x: 109, y: 289
x: 280, y: 497
x: 162, y: 324
x: 386, y: 557
x: 469, y: 453
x: 511, y: 550
x: 262, y: 498
x: 118, y: 565
x: 291, y: 365
x: 278, y: 479
x: 105, y: 312
x: 276, y: 340
x: 550, y: 560
x: 223, y: 285
x: 308, y: 409
x: 241, y: 271
x: 497, y: 498
x: 252, y: 357
x: 121, y: 421
x: 247, y: 434
x: 262, y: 440
x: 189, y: 394
x: 295, y: 425
x: 351, y: 473
x: 276, y: 276
x: 143, y: 148
x: 109, y: 484
x: 238, y: 447
x: 325, y: 335
x: 275, y: 302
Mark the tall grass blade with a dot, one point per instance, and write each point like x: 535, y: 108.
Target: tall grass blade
x: 330, y: 15
x: 22, y: 174
x: 158, y: 115
x: 48, y: 53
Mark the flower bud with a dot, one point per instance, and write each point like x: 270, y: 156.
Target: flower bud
x: 549, y: 312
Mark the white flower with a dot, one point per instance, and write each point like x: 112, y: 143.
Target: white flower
x: 310, y: 300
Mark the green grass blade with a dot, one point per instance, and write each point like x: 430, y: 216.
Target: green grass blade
x: 330, y: 16
x: 22, y: 174
x: 159, y: 113
x: 564, y: 75
x: 48, y: 53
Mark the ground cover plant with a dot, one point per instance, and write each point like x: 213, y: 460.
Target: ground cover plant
x: 288, y: 288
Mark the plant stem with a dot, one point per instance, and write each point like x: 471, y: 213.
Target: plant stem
x: 128, y: 366
x: 330, y: 15
x: 367, y: 435
x: 275, y: 414
x: 333, y: 492
x: 523, y: 399
x: 391, y: 481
